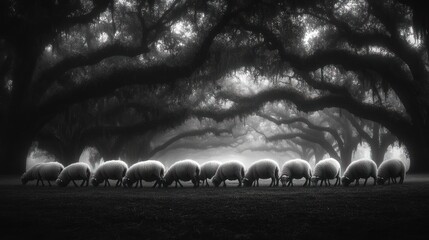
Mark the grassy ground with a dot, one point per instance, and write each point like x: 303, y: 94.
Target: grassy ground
x: 383, y: 212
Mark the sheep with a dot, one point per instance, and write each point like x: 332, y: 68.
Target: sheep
x: 391, y: 169
x: 150, y: 170
x: 113, y: 169
x: 264, y: 168
x: 295, y: 169
x: 43, y: 171
x: 74, y: 171
x: 362, y: 168
x: 185, y: 170
x: 31, y: 174
x: 208, y: 170
x: 327, y: 169
x: 231, y: 170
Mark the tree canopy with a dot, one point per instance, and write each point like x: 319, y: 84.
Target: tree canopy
x: 120, y: 75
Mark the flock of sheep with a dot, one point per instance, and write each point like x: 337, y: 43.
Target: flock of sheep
x: 189, y: 170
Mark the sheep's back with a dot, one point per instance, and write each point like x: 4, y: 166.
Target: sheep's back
x: 362, y: 168
x: 111, y: 170
x: 184, y: 170
x: 75, y: 171
x: 230, y: 170
x: 391, y: 168
x: 149, y: 170
x: 208, y: 169
x: 295, y: 168
x: 50, y: 171
x: 327, y: 169
x: 264, y: 168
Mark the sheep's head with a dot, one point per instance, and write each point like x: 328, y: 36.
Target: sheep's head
x: 346, y: 181
x: 381, y: 181
x: 60, y: 182
x: 285, y: 179
x: 94, y: 182
x: 247, y: 182
x: 314, y: 180
x: 127, y: 182
x: 216, y: 181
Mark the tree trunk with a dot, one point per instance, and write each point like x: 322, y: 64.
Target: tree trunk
x: 377, y: 154
x: 346, y: 157
x: 419, y: 156
x: 14, y: 152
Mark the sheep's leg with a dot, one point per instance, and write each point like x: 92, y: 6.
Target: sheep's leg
x: 273, y: 182
x: 82, y: 183
x: 180, y: 183
x: 257, y: 182
x: 176, y: 184
x: 74, y: 183
x: 401, y: 180
x: 38, y: 180
x: 43, y: 184
x: 375, y: 181
x: 207, y: 183
x: 366, y: 179
x: 108, y: 182
x: 321, y: 183
x: 224, y: 183
x: 305, y: 183
x: 156, y: 183
x: 254, y: 183
x: 239, y: 182
x: 394, y: 180
x: 329, y: 183
x: 357, y: 182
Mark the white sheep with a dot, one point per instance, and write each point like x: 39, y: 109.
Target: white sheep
x: 295, y: 169
x: 31, y: 174
x: 185, y: 170
x: 391, y: 169
x: 264, y: 168
x: 325, y: 170
x: 113, y: 169
x: 74, y: 171
x: 43, y: 171
x: 208, y: 170
x: 149, y: 171
x: 362, y: 168
x: 231, y: 170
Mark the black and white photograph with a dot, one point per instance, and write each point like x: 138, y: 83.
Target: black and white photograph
x: 214, y: 119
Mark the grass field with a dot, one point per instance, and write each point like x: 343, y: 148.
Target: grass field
x: 383, y: 212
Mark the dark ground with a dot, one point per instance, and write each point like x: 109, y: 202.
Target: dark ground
x: 382, y: 212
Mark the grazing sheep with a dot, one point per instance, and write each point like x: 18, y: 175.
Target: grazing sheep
x: 208, y: 170
x: 148, y: 171
x: 362, y: 168
x: 74, y: 171
x: 295, y: 169
x: 49, y: 171
x: 264, y: 168
x: 391, y: 169
x: 231, y: 170
x: 185, y: 170
x: 31, y: 174
x: 325, y: 170
x: 114, y: 169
